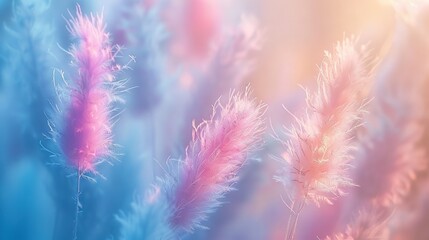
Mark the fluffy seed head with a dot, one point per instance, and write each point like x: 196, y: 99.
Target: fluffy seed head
x: 371, y: 223
x: 219, y: 148
x: 85, y: 136
x: 318, y: 149
x: 391, y: 155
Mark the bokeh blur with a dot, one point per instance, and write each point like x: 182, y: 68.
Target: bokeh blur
x: 180, y: 57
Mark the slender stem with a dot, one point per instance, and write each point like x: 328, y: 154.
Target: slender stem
x: 296, y: 207
x: 289, y: 221
x: 76, y: 220
x: 55, y: 229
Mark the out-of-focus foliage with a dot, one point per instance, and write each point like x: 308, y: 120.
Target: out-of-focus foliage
x: 174, y: 59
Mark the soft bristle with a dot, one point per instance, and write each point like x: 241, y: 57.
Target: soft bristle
x: 371, y: 223
x: 318, y: 149
x: 86, y: 133
x: 219, y: 148
x: 391, y: 155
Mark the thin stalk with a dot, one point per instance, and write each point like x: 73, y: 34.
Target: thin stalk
x: 289, y: 221
x: 76, y: 220
x: 55, y: 229
x: 296, y: 208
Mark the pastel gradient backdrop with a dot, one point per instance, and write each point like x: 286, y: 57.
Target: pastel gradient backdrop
x: 214, y: 119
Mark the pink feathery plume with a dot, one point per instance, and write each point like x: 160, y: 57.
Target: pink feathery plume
x: 85, y: 136
x: 83, y: 130
x: 219, y: 148
x: 371, y: 223
x: 410, y: 221
x: 227, y: 68
x: 318, y: 149
x: 391, y: 155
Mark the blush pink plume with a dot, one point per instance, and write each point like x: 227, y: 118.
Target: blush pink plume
x: 83, y: 128
x: 391, y: 156
x: 371, y: 223
x: 86, y: 135
x: 218, y: 150
x: 318, y: 150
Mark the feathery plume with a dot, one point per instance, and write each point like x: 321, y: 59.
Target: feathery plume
x: 371, y: 223
x: 391, y: 153
x: 194, y: 188
x: 149, y: 219
x: 232, y: 59
x: 410, y: 220
x: 219, y: 148
x: 318, y: 149
x: 226, y: 69
x: 83, y: 133
x: 143, y: 31
x: 391, y: 156
x: 25, y: 47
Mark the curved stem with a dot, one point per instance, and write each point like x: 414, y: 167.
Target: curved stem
x: 76, y: 220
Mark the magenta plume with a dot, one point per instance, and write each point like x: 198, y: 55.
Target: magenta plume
x: 317, y: 155
x: 219, y: 148
x: 86, y: 135
x: 83, y: 130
